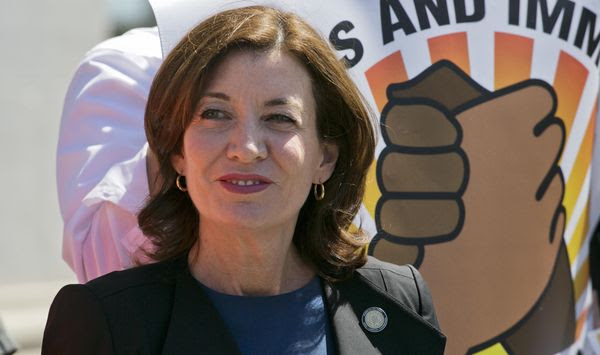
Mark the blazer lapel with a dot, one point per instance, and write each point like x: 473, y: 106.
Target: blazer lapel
x: 405, y: 333
x: 349, y: 335
x: 195, y: 325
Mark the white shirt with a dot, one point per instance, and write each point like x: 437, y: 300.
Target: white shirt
x: 101, y: 156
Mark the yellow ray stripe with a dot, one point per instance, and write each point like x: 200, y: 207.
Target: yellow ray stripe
x: 581, y: 279
x: 496, y: 349
x: 568, y: 83
x: 581, y: 322
x: 581, y: 166
x: 512, y: 59
x: 389, y: 70
x: 579, y: 235
x: 453, y: 47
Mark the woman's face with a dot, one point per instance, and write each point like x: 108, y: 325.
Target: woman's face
x: 251, y: 152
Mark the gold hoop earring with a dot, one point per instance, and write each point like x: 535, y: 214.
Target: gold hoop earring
x: 181, y: 185
x: 319, y: 191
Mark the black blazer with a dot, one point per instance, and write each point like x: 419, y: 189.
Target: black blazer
x: 161, y: 309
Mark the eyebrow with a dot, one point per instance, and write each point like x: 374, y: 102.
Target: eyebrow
x: 217, y: 95
x: 281, y: 101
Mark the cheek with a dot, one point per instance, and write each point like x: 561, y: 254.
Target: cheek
x: 197, y: 150
x: 292, y: 152
x: 299, y: 154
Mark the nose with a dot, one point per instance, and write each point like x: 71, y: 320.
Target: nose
x: 247, y: 142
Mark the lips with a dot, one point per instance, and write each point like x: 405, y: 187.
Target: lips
x: 244, y: 183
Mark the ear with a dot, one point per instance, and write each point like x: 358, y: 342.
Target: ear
x: 178, y: 163
x: 329, y: 158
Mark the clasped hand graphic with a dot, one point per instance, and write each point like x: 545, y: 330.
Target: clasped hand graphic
x: 471, y: 194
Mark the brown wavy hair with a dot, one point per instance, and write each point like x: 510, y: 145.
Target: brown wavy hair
x: 323, y: 233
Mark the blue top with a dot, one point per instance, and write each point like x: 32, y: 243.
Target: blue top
x: 290, y: 323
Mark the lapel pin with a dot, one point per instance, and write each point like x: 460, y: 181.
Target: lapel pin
x: 374, y: 319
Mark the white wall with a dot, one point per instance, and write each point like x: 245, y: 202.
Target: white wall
x: 41, y: 42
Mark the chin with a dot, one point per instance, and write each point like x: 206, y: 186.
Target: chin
x: 253, y: 218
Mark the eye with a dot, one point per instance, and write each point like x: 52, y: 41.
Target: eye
x: 280, y: 118
x: 212, y: 114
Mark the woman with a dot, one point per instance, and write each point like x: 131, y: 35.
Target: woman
x: 263, y: 145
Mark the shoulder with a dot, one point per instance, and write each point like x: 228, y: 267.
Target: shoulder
x: 404, y: 273
x: 135, y: 280
x: 403, y: 283
x: 401, y: 280
x: 76, y: 323
x: 115, y: 311
x: 124, y: 288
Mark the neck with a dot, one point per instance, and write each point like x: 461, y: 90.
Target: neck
x: 248, y: 262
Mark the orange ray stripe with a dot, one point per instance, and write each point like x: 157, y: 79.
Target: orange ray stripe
x: 512, y: 59
x: 372, y: 193
x: 453, y: 47
x: 581, y: 279
x: 569, y: 82
x: 579, y: 235
x: 581, y: 322
x: 389, y: 70
x: 580, y: 168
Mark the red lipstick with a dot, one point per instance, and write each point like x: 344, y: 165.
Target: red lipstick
x: 244, y: 183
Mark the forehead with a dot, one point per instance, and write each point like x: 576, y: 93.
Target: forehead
x: 271, y: 72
